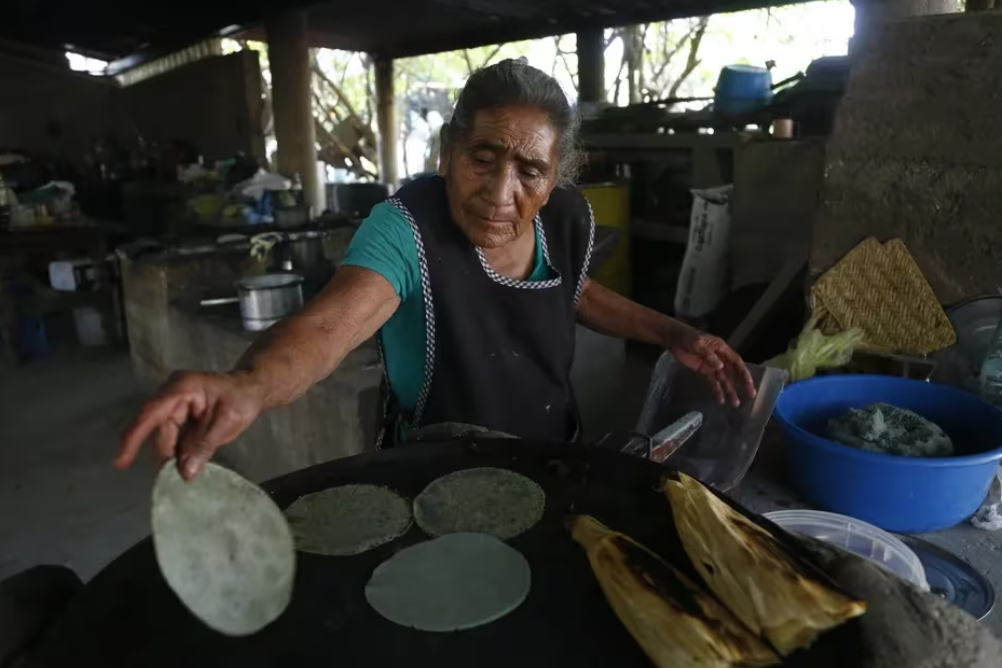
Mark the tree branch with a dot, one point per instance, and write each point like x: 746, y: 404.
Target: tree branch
x: 619, y: 79
x: 369, y: 93
x: 490, y: 56
x: 327, y: 109
x: 668, y: 55
x: 567, y: 66
x: 693, y: 60
x: 630, y: 54
x: 340, y: 150
x: 640, y: 52
x: 344, y: 71
x: 337, y: 89
x: 469, y: 65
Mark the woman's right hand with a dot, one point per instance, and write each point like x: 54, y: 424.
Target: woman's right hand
x: 192, y: 416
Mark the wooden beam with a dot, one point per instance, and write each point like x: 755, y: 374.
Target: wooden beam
x: 591, y: 65
x: 386, y: 120
x: 292, y: 103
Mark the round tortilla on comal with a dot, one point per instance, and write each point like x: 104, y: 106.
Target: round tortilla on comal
x: 224, y: 548
x: 347, y: 520
x: 455, y: 582
x: 494, y: 501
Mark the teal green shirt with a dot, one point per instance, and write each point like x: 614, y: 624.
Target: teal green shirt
x: 384, y: 243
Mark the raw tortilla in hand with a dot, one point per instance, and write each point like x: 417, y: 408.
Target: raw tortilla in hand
x: 348, y: 520
x: 224, y: 548
x: 451, y: 583
x: 487, y: 500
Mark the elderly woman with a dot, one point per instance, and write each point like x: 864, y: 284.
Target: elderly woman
x: 472, y: 280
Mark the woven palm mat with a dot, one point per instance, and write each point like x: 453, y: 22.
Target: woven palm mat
x: 879, y: 288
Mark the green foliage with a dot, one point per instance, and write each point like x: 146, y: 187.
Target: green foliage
x: 674, y: 63
x: 677, y: 58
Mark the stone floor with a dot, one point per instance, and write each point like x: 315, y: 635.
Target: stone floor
x: 61, y: 502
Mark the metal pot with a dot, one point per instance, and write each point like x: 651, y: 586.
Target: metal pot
x: 264, y: 300
x: 303, y: 252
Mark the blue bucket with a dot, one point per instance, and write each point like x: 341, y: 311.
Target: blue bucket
x: 742, y: 89
x: 901, y: 494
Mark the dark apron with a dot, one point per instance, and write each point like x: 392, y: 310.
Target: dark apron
x: 499, y: 350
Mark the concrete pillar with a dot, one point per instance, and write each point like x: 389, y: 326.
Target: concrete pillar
x: 292, y: 103
x: 386, y: 121
x: 591, y: 65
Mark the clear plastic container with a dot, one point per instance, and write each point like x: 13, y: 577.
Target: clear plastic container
x: 857, y: 537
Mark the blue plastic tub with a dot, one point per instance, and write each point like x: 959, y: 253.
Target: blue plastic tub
x: 902, y: 494
x: 742, y: 89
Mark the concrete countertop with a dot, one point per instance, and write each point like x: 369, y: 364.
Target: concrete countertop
x: 337, y: 417
x: 226, y: 319
x: 764, y: 490
x: 224, y: 316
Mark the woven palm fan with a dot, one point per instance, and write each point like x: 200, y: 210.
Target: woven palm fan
x: 880, y: 289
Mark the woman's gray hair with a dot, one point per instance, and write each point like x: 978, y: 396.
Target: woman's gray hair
x: 516, y: 83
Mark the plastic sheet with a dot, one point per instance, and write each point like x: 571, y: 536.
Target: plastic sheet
x: 720, y: 453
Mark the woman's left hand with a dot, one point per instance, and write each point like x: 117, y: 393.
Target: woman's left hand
x: 710, y: 356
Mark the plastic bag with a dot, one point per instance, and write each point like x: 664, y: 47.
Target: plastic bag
x: 988, y: 518
x: 262, y: 245
x: 814, y: 350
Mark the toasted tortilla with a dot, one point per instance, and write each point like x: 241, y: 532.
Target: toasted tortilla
x: 757, y: 574
x: 224, y: 548
x: 348, y: 520
x: 493, y: 501
x: 455, y: 582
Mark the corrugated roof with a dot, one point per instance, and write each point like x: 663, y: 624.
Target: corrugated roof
x: 136, y: 31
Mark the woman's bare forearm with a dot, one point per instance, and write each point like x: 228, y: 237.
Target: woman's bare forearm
x: 298, y: 352
x: 289, y: 359
x: 609, y: 313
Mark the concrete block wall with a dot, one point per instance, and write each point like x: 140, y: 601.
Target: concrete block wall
x: 917, y: 151
x: 50, y: 109
x: 215, y: 103
x: 777, y: 191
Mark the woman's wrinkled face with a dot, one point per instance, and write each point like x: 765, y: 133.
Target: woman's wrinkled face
x: 500, y: 173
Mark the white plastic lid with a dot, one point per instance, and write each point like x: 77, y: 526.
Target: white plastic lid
x: 857, y: 537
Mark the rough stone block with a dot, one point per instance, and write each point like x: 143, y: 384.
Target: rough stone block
x: 916, y: 152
